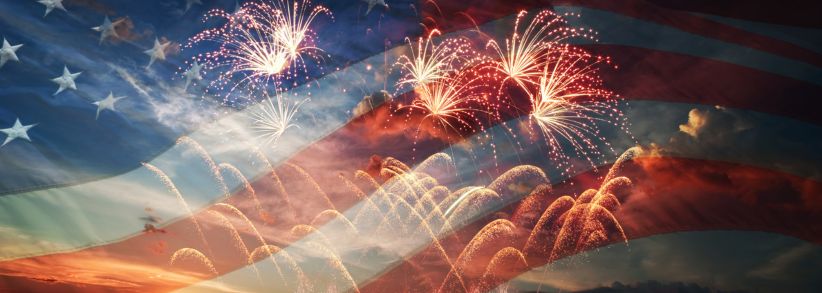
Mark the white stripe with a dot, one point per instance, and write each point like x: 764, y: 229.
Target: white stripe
x: 394, y: 249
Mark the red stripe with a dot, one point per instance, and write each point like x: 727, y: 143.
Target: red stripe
x: 688, y: 22
x: 452, y: 16
x: 655, y: 75
x: 669, y: 195
x: 794, y: 13
x: 348, y: 149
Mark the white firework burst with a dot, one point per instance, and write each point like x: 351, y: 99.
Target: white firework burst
x: 273, y: 116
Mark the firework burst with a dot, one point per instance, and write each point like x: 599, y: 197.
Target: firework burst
x: 446, y: 102
x: 261, y: 44
x: 521, y: 59
x: 571, y: 100
x: 442, y: 71
x: 273, y: 116
x: 431, y: 61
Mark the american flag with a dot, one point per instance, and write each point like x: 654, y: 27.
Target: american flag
x: 129, y: 164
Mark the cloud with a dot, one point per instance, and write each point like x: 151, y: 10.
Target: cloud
x: 696, y: 120
x: 172, y: 105
x: 718, y: 260
x: 789, y: 265
x: 98, y: 271
x: 731, y: 135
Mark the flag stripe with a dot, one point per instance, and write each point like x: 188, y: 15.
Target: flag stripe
x: 797, y: 13
x: 180, y: 233
x: 454, y: 13
x: 700, y: 25
x: 720, y: 196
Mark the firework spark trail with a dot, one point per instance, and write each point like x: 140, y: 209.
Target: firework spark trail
x: 471, y: 203
x: 322, y: 219
x: 369, y: 207
x: 301, y: 231
x: 272, y: 251
x: 400, y: 203
x: 439, y: 248
x: 442, y: 159
x: 336, y: 263
x: 569, y: 103
x: 212, y: 166
x: 447, y: 102
x: 280, y: 187
x: 505, y: 261
x: 495, y: 231
x: 431, y: 199
x: 629, y: 154
x: 238, y: 240
x: 195, y: 254
x: 173, y: 188
x: 307, y: 177
x: 247, y: 222
x: 449, y: 88
x: 546, y: 228
x: 429, y: 205
x: 271, y: 119
x: 529, y: 208
x: 246, y: 185
x: 294, y: 33
x: 265, y: 43
x: 520, y: 60
x: 518, y: 174
x: 431, y: 62
x: 394, y: 163
x: 383, y: 196
x: 409, y: 182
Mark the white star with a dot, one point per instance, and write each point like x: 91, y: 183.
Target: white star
x: 51, y: 4
x: 190, y: 3
x: 157, y: 52
x: 106, y: 104
x: 372, y: 3
x: 193, y: 74
x: 7, y: 52
x: 66, y: 81
x: 107, y: 29
x: 17, y: 131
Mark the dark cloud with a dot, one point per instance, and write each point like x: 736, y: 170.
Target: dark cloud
x: 656, y: 286
x: 746, y: 137
x: 709, y: 261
